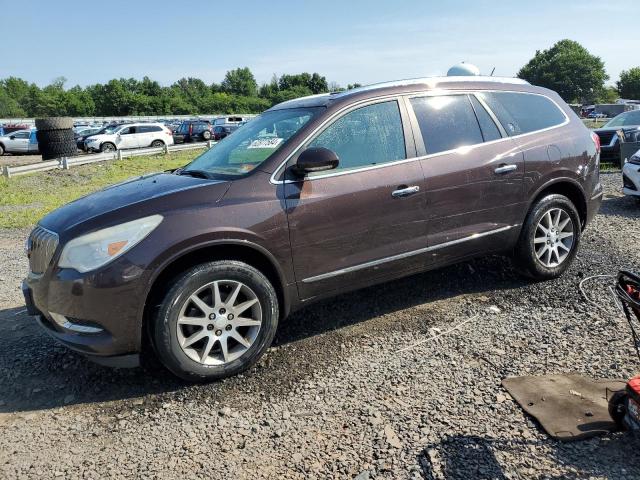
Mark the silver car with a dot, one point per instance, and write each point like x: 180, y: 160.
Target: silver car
x: 20, y: 141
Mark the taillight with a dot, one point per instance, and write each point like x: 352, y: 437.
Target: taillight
x: 190, y: 129
x: 596, y: 140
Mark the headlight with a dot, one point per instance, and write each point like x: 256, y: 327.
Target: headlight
x: 96, y: 249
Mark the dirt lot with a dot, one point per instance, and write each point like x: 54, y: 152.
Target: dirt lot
x: 15, y: 160
x: 335, y: 397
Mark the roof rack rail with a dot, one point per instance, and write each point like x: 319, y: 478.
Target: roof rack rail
x: 434, y: 81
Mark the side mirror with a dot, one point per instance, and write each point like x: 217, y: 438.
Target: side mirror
x: 316, y: 160
x: 12, y: 137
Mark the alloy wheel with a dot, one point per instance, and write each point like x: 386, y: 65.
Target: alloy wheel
x: 219, y: 322
x: 554, y: 237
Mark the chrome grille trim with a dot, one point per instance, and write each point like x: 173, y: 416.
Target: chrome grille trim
x: 41, y: 247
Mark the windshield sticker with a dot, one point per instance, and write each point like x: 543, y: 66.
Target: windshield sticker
x: 266, y: 143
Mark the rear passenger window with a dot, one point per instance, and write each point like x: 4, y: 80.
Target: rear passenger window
x: 523, y: 112
x: 370, y: 135
x: 446, y: 122
x: 489, y: 128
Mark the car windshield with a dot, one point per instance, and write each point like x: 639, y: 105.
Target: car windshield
x: 625, y: 119
x: 253, y: 143
x: 109, y: 129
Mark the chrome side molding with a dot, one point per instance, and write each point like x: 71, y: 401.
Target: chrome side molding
x: 401, y: 256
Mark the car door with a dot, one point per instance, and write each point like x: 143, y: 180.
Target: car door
x: 364, y: 220
x: 18, y: 142
x: 473, y: 175
x: 128, y: 137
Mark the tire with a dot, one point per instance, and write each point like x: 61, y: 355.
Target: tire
x: 58, y: 149
x: 618, y: 408
x: 108, y: 147
x: 157, y: 143
x: 558, y: 249
x: 54, y: 123
x: 47, y: 136
x: 206, y: 135
x: 192, y: 362
x: 1, y: 149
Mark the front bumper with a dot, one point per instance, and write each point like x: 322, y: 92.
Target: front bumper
x: 631, y: 179
x: 97, y: 314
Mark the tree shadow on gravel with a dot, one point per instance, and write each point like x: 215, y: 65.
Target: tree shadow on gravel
x: 465, y: 457
x: 39, y: 374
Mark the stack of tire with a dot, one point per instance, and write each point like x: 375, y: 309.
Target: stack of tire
x: 55, y: 137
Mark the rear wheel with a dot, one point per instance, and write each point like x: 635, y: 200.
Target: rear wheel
x: 1, y: 149
x: 157, y: 143
x: 549, y: 239
x: 107, y: 147
x: 216, y: 321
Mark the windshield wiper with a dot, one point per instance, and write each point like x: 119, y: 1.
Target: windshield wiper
x: 195, y: 173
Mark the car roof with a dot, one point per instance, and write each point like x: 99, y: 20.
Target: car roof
x: 406, y: 86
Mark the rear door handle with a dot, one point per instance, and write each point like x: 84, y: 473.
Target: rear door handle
x: 506, y: 168
x: 404, y: 191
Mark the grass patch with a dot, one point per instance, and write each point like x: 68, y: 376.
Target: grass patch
x: 26, y: 199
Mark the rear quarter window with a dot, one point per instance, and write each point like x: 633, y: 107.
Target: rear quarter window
x: 523, y: 112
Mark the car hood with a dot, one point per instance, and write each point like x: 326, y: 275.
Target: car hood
x: 133, y: 198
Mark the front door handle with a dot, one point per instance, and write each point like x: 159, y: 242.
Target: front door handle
x: 404, y: 191
x: 506, y: 168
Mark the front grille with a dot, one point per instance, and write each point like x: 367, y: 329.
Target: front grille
x: 41, y: 247
x: 605, y: 137
x: 627, y: 183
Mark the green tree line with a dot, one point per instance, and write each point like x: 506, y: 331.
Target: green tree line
x: 567, y: 67
x: 237, y: 93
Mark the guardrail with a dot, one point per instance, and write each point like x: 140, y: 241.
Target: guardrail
x: 67, y: 162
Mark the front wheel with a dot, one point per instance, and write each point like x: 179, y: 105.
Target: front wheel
x: 107, y: 147
x: 549, y: 239
x: 216, y: 321
x: 1, y: 150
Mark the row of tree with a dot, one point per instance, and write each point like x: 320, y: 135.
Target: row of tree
x: 567, y: 67
x: 237, y: 93
x: 578, y: 76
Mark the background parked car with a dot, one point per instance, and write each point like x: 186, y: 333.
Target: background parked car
x: 21, y: 141
x: 232, y: 120
x: 82, y: 134
x: 107, y: 129
x: 193, y: 131
x: 134, y: 135
x: 627, y: 123
x: 222, y: 131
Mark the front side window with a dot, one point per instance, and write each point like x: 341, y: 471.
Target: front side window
x: 23, y: 134
x: 253, y: 143
x: 446, y: 122
x: 127, y: 131
x: 523, y: 112
x: 367, y: 136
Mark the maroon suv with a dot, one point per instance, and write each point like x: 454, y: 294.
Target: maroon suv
x: 315, y: 197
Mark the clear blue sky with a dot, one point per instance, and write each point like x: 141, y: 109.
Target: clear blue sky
x: 348, y: 41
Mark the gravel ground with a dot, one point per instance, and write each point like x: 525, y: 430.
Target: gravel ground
x: 335, y: 397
